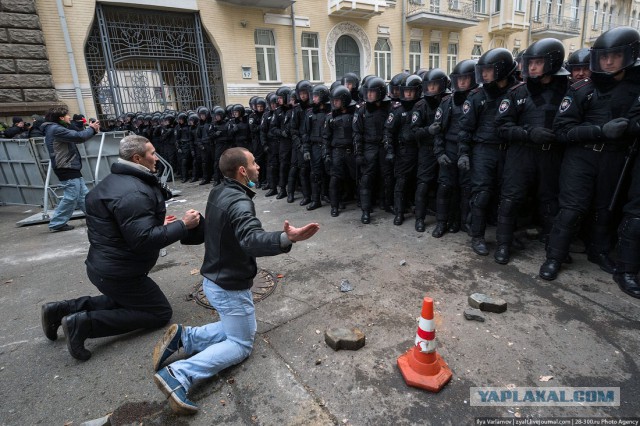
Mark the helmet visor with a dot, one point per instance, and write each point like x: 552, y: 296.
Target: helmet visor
x: 611, y: 60
x: 434, y: 87
x: 409, y: 93
x: 486, y: 74
x: 462, y: 82
x: 535, y: 66
x: 373, y: 95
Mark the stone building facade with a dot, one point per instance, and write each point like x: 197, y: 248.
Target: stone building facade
x: 146, y: 55
x: 26, y: 82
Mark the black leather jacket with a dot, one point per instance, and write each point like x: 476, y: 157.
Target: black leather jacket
x: 125, y: 222
x: 234, y: 237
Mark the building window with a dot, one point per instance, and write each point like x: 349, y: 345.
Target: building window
x: 452, y: 57
x: 604, y: 17
x: 536, y: 10
x: 559, y: 11
x: 480, y: 6
x: 549, y: 9
x: 519, y: 5
x: 434, y: 55
x: 476, y: 52
x: 515, y: 52
x: 266, y: 55
x: 310, y: 56
x: 382, y: 53
x: 434, y: 6
x: 575, y: 12
x: 594, y: 24
x: 497, y: 4
x: 611, y: 9
x: 415, y: 55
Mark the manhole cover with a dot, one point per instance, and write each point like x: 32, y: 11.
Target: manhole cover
x: 263, y: 285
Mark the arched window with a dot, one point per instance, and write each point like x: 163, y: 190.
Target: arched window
x: 382, y: 54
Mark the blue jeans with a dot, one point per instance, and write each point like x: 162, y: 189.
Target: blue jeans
x: 221, y: 344
x: 74, y: 193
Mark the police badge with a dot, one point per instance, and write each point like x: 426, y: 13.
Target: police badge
x: 504, y: 105
x: 565, y: 104
x: 466, y: 106
x: 390, y: 118
x: 414, y: 117
x: 438, y: 113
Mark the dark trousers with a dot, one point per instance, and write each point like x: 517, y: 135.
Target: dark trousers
x: 124, y: 306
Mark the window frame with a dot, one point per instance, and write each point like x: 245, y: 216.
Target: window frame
x: 265, y: 48
x: 310, y: 51
x: 434, y: 56
x: 382, y: 57
x: 452, y: 58
x: 413, y: 67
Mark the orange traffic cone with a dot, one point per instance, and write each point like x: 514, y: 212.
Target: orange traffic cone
x: 421, y: 366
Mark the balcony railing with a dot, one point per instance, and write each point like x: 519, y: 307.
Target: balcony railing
x: 357, y: 8
x: 444, y: 13
x: 555, y: 23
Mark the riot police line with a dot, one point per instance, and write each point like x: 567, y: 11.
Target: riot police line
x: 551, y: 138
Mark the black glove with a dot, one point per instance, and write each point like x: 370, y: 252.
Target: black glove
x: 444, y: 160
x: 193, y: 153
x: 359, y: 159
x: 306, y: 156
x: 435, y: 128
x: 389, y: 157
x: 179, y: 151
x: 542, y: 135
x: 233, y: 128
x: 615, y: 128
x: 217, y: 133
x: 284, y: 134
x: 463, y: 162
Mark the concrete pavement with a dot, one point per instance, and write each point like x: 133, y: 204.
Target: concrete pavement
x: 579, y: 329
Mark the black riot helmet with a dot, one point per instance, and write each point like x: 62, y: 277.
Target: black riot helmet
x: 435, y: 82
x: 543, y: 57
x: 229, y: 110
x: 218, y: 113
x: 615, y: 50
x: 411, y: 89
x: 237, y: 108
x: 272, y: 99
x: 182, y: 116
x: 495, y: 64
x: 320, y: 94
x: 335, y: 84
x: 375, y: 90
x: 283, y: 93
x: 341, y: 98
x: 193, y: 119
x: 168, y: 119
x: 395, y: 83
x: 302, y: 87
x: 293, y: 97
x: 579, y: 58
x: 361, y: 93
x: 203, y: 111
x: 351, y: 81
x: 464, y: 71
x: 261, y: 102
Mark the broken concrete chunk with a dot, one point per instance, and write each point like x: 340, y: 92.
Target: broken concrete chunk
x: 473, y: 314
x: 344, y: 338
x: 345, y: 286
x: 487, y: 303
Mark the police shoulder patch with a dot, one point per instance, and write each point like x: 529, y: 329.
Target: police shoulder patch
x: 438, y: 115
x: 355, y: 117
x: 251, y: 120
x: 415, y: 116
x: 504, y: 106
x: 466, y: 107
x: 390, y: 118
x: 565, y: 104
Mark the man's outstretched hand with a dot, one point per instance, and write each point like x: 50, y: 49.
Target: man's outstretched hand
x: 300, y: 234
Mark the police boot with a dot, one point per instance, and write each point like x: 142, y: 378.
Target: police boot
x: 315, y: 196
x: 603, y: 261
x: 628, y: 283
x: 479, y: 245
x: 291, y: 184
x: 388, y: 195
x: 282, y: 194
x: 626, y: 274
x: 271, y: 192
x: 465, y: 196
x: 439, y: 230
x: 51, y: 315
x: 334, y: 195
x: 77, y: 328
x: 398, y: 205
x: 502, y: 254
x: 549, y: 269
x: 185, y: 174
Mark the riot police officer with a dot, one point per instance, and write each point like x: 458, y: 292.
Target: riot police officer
x: 435, y: 85
x: 238, y: 128
x: 525, y: 121
x: 445, y: 128
x: 593, y: 122
x: 338, y: 145
x: 196, y: 155
x: 299, y: 167
x: 312, y: 140
x: 204, y: 145
x: 478, y: 132
x: 270, y: 146
x: 400, y: 141
x: 368, y: 129
x: 280, y: 128
x: 352, y: 82
x: 183, y: 141
x: 578, y: 65
x: 221, y: 138
x: 255, y: 119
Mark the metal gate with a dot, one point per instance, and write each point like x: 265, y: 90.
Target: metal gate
x: 347, y: 57
x: 145, y: 61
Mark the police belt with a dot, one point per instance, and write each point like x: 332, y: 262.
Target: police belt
x: 316, y: 141
x: 345, y: 148
x: 607, y: 147
x: 538, y: 146
x: 498, y: 146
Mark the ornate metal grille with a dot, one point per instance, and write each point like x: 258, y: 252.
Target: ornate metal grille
x: 144, y: 60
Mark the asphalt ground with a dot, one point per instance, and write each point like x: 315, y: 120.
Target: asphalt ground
x: 580, y: 329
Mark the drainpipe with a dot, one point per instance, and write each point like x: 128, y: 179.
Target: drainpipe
x: 403, y: 35
x: 295, y: 46
x: 585, y: 22
x: 72, y: 61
